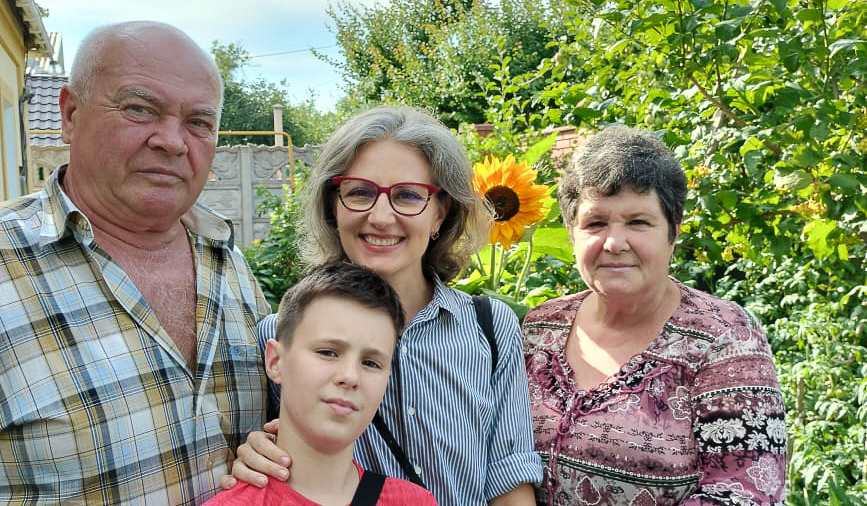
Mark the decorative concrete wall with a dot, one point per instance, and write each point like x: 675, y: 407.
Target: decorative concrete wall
x: 43, y: 160
x: 237, y: 171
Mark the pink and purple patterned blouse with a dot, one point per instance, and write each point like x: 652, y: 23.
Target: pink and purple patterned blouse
x: 696, y: 418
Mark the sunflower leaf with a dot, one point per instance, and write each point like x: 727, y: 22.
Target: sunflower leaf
x: 536, y: 151
x: 553, y: 241
x: 519, y: 309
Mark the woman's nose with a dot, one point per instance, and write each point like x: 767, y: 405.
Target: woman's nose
x: 616, y: 240
x: 381, y: 213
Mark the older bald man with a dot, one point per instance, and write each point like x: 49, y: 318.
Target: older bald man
x: 128, y: 362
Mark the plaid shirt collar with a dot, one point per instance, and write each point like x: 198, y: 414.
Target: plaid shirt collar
x: 61, y: 217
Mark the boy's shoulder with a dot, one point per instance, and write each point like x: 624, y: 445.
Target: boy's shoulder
x: 395, y: 492
x: 398, y: 492
x: 275, y: 493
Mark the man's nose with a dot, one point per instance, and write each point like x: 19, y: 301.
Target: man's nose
x: 169, y: 136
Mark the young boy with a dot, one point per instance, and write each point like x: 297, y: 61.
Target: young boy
x: 336, y: 332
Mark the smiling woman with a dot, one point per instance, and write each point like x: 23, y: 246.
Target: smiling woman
x: 392, y: 191
x: 644, y: 390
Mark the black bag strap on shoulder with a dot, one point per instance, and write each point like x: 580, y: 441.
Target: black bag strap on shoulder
x: 367, y: 493
x: 396, y: 450
x: 485, y: 316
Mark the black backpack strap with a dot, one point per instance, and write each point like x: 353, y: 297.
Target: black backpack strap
x: 485, y: 316
x: 396, y: 450
x: 367, y: 493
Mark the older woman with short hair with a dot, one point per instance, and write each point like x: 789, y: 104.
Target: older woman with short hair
x: 644, y: 390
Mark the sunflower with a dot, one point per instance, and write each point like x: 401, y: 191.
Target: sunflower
x: 516, y: 201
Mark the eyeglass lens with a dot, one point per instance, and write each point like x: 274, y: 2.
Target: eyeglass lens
x: 406, y: 199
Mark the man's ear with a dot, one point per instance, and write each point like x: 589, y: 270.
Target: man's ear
x: 273, y: 350
x: 69, y: 104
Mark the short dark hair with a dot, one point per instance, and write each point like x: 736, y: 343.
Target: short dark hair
x: 620, y: 157
x: 337, y: 279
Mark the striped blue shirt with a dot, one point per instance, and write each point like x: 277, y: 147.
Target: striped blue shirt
x: 468, y: 433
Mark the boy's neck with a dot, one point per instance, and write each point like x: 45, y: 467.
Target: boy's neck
x: 324, y: 478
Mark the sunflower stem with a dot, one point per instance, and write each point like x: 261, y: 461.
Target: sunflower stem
x: 519, y: 286
x: 480, y: 265
x: 503, y: 258
x: 492, y: 279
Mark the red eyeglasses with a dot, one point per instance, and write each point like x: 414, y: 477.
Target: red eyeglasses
x: 407, y: 199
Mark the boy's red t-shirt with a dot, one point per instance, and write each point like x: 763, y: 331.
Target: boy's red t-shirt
x: 278, y: 493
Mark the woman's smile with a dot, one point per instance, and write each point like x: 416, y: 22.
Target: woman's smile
x: 374, y: 240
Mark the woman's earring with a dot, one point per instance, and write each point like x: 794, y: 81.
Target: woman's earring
x: 435, y: 235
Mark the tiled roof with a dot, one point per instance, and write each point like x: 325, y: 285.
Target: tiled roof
x: 45, y: 108
x: 50, y: 64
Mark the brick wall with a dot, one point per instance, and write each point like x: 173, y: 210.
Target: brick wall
x: 568, y: 138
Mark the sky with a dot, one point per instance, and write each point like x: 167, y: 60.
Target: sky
x: 262, y: 27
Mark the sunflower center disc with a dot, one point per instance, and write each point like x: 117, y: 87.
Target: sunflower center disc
x: 505, y: 201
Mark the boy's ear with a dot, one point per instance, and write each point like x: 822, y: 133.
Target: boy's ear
x: 273, y: 350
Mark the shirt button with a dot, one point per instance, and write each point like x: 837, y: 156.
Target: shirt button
x: 403, y: 349
x: 411, y: 410
x: 418, y: 470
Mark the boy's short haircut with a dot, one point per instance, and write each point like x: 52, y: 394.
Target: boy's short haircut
x: 337, y: 279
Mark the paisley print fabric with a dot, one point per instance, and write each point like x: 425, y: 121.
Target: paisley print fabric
x: 696, y: 418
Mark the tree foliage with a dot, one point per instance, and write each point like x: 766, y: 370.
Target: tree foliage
x: 276, y: 259
x: 766, y: 104
x: 437, y: 54
x: 248, y: 105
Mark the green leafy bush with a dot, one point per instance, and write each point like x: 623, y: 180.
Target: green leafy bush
x: 822, y: 373
x: 274, y: 260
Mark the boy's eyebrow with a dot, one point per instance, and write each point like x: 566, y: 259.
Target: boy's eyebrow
x: 375, y: 351
x: 338, y: 342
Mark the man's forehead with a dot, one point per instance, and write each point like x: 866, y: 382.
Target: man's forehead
x: 159, y: 51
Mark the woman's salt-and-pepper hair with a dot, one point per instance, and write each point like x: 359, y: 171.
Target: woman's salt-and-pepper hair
x: 465, y: 227
x: 620, y: 157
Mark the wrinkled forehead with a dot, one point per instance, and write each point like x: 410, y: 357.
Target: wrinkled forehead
x: 160, y: 54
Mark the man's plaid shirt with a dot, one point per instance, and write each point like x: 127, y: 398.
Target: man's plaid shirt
x: 96, y: 402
